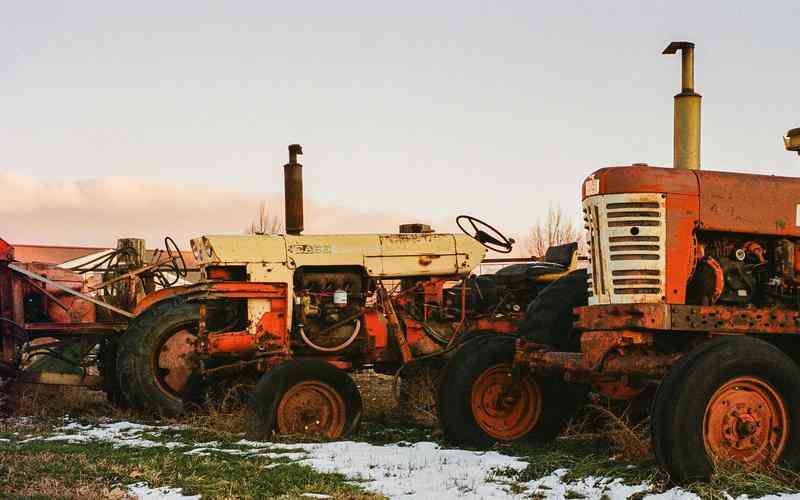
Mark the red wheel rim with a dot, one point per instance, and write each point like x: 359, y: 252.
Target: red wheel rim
x: 746, y: 420
x: 503, y: 410
x: 312, y: 408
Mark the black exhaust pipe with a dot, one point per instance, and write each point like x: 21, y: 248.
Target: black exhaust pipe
x: 293, y: 191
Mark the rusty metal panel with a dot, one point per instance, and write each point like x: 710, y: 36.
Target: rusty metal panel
x: 683, y: 212
x: 749, y: 203
x: 735, y: 319
x: 704, y: 319
x: 595, y: 345
x: 623, y: 317
x: 420, y: 253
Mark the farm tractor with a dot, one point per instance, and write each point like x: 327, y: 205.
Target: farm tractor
x: 304, y: 310
x: 691, y: 298
x: 298, y: 312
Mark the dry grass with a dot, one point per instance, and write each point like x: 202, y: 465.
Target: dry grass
x: 621, y: 426
x: 631, y: 440
x: 225, y: 410
x: 416, y: 395
x: 36, y: 400
x: 17, y: 465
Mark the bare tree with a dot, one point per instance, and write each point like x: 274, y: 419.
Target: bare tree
x: 266, y: 223
x: 556, y: 229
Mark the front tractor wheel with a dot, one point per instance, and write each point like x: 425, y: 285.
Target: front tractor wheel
x: 733, y: 399
x: 479, y: 403
x: 502, y: 410
x: 157, y: 365
x: 305, y: 396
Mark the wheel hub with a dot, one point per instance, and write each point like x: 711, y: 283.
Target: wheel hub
x: 746, y: 421
x: 311, y: 407
x: 503, y: 410
x: 177, y: 359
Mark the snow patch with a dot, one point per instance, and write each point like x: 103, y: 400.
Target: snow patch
x: 403, y: 471
x: 144, y: 492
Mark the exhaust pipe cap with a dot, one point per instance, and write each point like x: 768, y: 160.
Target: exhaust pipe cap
x: 792, y: 140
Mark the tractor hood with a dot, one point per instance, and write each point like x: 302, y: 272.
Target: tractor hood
x: 380, y: 255
x: 725, y: 201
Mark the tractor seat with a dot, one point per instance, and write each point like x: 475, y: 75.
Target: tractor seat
x: 556, y: 260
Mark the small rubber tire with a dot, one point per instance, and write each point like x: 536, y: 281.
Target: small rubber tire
x: 136, y: 376
x: 276, y: 383
x: 559, y: 399
x: 549, y: 317
x: 679, y: 408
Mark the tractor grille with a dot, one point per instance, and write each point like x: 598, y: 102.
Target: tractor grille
x: 625, y: 233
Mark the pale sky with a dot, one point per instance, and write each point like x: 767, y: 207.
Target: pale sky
x: 173, y: 117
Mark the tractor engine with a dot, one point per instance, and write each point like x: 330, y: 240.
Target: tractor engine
x: 328, y: 304
x: 742, y: 271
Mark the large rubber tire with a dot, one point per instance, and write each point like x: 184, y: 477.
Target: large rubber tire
x: 325, y: 384
x: 138, y: 377
x: 473, y: 362
x: 549, y: 317
x: 678, y: 417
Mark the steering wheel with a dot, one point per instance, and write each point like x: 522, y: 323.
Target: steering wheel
x: 176, y: 258
x: 485, y: 234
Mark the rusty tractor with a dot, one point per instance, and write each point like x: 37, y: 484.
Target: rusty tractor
x: 691, y: 298
x: 301, y: 311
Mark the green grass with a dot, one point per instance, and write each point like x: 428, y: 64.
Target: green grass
x: 589, y: 457
x: 47, y: 469
x: 94, y: 469
x: 40, y: 469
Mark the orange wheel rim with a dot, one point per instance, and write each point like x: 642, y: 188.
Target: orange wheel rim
x: 504, y: 410
x: 746, y: 420
x: 313, y: 408
x: 176, y: 361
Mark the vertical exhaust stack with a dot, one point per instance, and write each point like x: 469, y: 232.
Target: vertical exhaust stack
x: 293, y: 191
x: 686, y: 149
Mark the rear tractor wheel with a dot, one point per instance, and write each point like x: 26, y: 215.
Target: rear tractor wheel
x: 157, y: 366
x: 305, y: 396
x: 479, y: 403
x: 731, y: 399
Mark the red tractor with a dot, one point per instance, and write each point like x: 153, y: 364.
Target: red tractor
x: 691, y: 298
